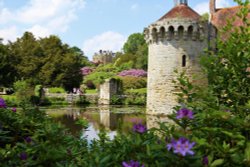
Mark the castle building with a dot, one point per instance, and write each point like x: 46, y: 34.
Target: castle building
x: 103, y: 57
x: 175, y: 42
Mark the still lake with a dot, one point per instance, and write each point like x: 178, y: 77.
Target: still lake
x: 111, y: 118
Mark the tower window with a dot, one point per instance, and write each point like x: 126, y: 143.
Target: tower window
x: 190, y: 32
x: 162, y: 32
x: 180, y: 32
x: 154, y: 34
x: 184, y: 61
x: 171, y: 32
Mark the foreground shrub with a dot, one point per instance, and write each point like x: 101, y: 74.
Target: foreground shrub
x: 205, y: 130
x: 10, y: 100
x: 30, y: 138
x: 23, y: 91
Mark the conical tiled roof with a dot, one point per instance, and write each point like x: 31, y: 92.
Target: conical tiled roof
x: 181, y: 11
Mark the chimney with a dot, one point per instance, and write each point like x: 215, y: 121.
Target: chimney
x: 212, y: 6
x: 179, y: 2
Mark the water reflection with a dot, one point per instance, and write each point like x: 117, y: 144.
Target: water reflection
x: 111, y: 118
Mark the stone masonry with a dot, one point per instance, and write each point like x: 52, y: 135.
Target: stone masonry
x: 109, y: 88
x: 175, y: 43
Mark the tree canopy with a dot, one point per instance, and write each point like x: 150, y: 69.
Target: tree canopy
x: 135, y: 51
x: 45, y: 61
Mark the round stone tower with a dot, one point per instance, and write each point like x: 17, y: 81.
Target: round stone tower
x: 175, y: 42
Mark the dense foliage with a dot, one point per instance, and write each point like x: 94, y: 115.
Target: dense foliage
x: 227, y: 66
x: 7, y: 67
x: 207, y: 129
x: 135, y: 52
x: 46, y: 61
x: 129, y: 82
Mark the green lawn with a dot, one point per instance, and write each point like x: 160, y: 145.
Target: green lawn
x: 91, y: 91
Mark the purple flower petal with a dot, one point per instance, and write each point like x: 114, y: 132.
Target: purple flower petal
x: 2, y: 103
x: 13, y: 109
x: 131, y: 164
x: 181, y: 146
x: 28, y: 139
x: 184, y: 113
x: 23, y: 156
x: 205, y: 160
x: 139, y: 128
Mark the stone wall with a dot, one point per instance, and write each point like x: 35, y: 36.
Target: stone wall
x: 109, y: 88
x: 73, y: 98
x: 166, y: 53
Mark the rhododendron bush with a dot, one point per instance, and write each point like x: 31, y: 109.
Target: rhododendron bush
x: 86, y: 70
x: 134, y: 73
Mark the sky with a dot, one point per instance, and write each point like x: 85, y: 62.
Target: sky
x: 91, y: 25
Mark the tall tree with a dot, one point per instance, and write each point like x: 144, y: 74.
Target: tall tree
x: 7, y: 68
x: 62, y: 64
x: 133, y: 43
x: 28, y: 54
x: 137, y: 48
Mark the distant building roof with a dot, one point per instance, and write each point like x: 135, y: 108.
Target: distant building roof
x: 221, y: 16
x: 181, y: 11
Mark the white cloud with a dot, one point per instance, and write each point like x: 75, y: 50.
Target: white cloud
x: 5, y: 15
x: 41, y: 17
x: 9, y: 33
x: 39, y: 31
x: 110, y: 40
x: 203, y: 7
x: 222, y: 3
x: 40, y: 11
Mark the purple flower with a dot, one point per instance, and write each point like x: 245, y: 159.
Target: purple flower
x: 205, y: 160
x: 185, y: 113
x: 139, y: 128
x: 23, y: 156
x: 2, y: 103
x: 134, y: 73
x: 131, y: 164
x: 181, y: 146
x: 28, y: 139
x: 86, y: 70
x: 13, y: 109
x: 171, y: 145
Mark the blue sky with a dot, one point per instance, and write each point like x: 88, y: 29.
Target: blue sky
x: 88, y: 24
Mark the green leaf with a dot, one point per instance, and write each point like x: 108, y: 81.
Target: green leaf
x: 105, y: 159
x: 217, y: 162
x: 247, y: 152
x: 148, y: 150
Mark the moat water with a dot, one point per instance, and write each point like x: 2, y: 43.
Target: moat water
x: 112, y: 119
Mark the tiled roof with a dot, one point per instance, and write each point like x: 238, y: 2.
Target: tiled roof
x: 221, y: 16
x: 181, y: 11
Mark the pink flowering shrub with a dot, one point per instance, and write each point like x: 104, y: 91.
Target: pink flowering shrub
x: 86, y: 71
x: 134, y: 73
